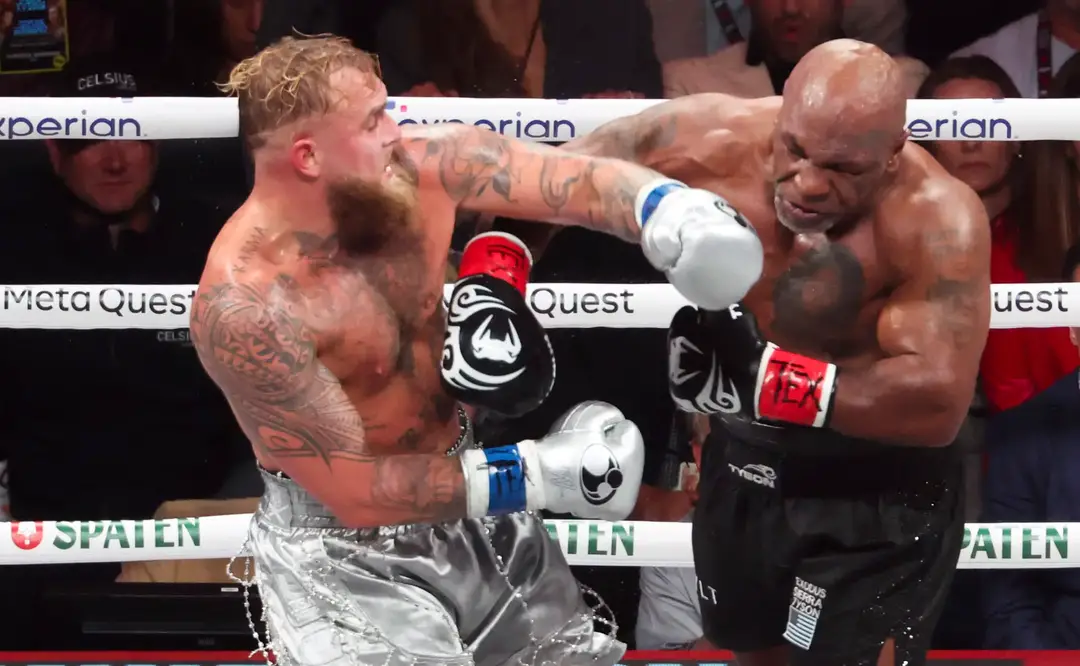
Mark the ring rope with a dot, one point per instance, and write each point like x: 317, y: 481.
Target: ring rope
x: 583, y: 542
x: 556, y: 305
x: 158, y: 118
x: 84, y: 307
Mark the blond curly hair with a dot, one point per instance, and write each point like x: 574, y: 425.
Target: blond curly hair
x: 289, y: 81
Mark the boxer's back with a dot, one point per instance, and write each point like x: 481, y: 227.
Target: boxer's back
x: 375, y: 322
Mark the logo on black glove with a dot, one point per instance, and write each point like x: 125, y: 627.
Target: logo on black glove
x: 601, y: 475
x: 686, y: 361
x: 491, y: 354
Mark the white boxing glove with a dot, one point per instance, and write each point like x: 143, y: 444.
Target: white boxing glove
x: 707, y: 250
x: 589, y: 466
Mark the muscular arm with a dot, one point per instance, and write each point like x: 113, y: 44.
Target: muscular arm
x: 678, y: 138
x: 299, y: 418
x: 490, y: 173
x: 932, y: 331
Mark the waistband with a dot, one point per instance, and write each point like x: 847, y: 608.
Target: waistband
x: 847, y: 471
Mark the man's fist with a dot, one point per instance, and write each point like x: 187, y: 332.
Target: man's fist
x: 720, y: 363
x: 589, y: 466
x: 707, y: 250
x: 496, y: 355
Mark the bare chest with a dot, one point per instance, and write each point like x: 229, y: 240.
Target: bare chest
x: 817, y: 295
x: 374, y: 316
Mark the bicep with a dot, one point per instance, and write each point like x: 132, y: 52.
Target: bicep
x: 292, y: 408
x: 651, y: 136
x: 942, y: 310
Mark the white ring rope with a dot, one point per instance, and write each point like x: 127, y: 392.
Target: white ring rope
x: 83, y: 307
x: 556, y: 305
x: 530, y: 119
x: 584, y: 542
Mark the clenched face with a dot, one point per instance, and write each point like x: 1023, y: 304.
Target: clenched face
x: 838, y: 135
x: 823, y: 172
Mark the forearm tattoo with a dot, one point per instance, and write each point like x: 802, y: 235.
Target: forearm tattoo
x: 491, y: 173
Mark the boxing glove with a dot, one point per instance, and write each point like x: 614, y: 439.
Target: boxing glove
x: 495, y: 354
x: 718, y: 362
x: 707, y: 250
x: 589, y: 465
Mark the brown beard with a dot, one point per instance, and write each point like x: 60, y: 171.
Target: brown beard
x: 370, y: 217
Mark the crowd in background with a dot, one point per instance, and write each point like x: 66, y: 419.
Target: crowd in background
x: 108, y: 424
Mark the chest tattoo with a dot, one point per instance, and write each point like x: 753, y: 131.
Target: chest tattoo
x: 818, y: 299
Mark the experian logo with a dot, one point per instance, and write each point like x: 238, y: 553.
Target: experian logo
x: 71, y: 127
x: 537, y: 129
x: 957, y: 127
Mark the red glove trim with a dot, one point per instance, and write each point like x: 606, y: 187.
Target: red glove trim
x: 499, y: 255
x: 793, y: 388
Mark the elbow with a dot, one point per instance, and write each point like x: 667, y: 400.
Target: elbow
x: 943, y: 409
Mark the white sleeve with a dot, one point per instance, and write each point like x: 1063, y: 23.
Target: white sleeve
x: 668, y: 613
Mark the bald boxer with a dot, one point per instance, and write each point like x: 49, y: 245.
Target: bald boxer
x: 828, y: 525
x: 384, y: 536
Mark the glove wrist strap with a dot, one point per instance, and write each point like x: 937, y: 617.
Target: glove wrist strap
x: 792, y: 388
x: 648, y: 197
x: 502, y: 479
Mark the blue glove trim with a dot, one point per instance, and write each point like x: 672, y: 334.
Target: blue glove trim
x: 506, y: 480
x: 654, y: 197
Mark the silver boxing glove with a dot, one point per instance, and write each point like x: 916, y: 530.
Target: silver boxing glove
x: 604, y: 450
x: 589, y: 465
x: 706, y: 248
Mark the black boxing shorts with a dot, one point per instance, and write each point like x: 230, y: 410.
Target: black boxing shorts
x: 830, y: 554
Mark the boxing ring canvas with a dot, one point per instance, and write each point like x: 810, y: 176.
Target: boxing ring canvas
x: 639, y: 544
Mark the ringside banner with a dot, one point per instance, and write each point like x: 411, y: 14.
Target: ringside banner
x: 556, y: 305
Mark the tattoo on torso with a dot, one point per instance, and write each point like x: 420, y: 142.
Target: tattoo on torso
x: 818, y: 299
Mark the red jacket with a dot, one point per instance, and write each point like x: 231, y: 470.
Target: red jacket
x: 1020, y: 362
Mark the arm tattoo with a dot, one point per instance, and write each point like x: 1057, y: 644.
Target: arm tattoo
x: 959, y: 287
x: 266, y: 361
x: 491, y: 173
x: 294, y: 409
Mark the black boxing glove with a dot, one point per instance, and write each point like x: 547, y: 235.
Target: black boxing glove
x: 719, y: 363
x: 496, y: 354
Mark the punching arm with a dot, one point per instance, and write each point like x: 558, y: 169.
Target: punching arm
x: 493, y: 174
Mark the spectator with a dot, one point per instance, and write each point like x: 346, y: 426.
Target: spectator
x: 669, y: 617
x: 1034, y: 464
x: 694, y: 28
x: 1055, y: 217
x: 1033, y: 48
x: 1017, y: 363
x: 211, y: 37
x: 141, y: 423
x: 783, y: 31
x: 533, y: 48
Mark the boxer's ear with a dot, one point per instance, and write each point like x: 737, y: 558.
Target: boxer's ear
x: 304, y: 158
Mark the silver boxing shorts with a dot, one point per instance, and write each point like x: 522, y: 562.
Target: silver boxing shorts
x: 488, y: 592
